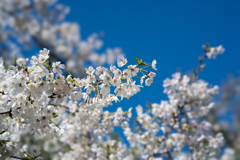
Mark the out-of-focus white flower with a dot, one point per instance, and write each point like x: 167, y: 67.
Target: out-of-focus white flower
x: 21, y: 61
x: 154, y: 62
x: 214, y: 51
x: 121, y: 61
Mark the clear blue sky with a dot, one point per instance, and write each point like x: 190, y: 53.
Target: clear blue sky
x: 170, y: 31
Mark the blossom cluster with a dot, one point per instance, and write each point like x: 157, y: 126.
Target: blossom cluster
x: 214, y: 51
x: 31, y: 95
x: 64, y: 117
x: 175, y: 125
x: 173, y: 129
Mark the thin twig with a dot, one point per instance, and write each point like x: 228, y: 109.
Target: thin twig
x: 200, y: 61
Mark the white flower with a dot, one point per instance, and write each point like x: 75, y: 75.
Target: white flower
x: 35, y: 151
x: 76, y: 95
x: 129, y: 113
x: 21, y: 61
x: 57, y: 67
x: 116, y: 81
x: 154, y: 62
x: 117, y: 73
x: 100, y: 70
x: 50, y: 76
x: 142, y: 79
x: 90, y: 70
x: 126, y: 74
x: 45, y: 52
x: 112, y: 68
x: 89, y: 88
x: 91, y: 78
x: 214, y: 51
x: 124, y: 124
x: 43, y: 56
x: 152, y: 74
x: 105, y: 89
x: 106, y: 78
x: 121, y: 61
x: 34, y: 60
x: 133, y: 69
x: 148, y: 81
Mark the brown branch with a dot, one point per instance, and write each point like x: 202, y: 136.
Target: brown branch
x: 200, y: 61
x: 7, y: 112
x: 19, y: 158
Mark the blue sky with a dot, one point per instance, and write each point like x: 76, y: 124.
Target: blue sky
x: 172, y: 32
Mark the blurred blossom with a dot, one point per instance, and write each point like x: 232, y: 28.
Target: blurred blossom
x: 29, y: 24
x: 226, y: 115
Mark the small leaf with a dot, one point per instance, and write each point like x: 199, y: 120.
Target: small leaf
x: 96, y: 88
x: 135, y: 121
x: 68, y: 147
x: 142, y: 63
x: 149, y: 104
x: 54, y: 115
x: 201, y: 67
x: 48, y: 63
x: 25, y: 68
x: 194, y: 78
x: 137, y: 60
x: 70, y: 73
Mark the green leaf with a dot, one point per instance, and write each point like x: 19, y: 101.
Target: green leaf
x: 54, y: 115
x: 137, y: 60
x: 70, y: 73
x: 202, y: 66
x: 149, y: 104
x: 96, y: 89
x: 68, y: 147
x: 195, y: 78
x: 135, y: 121
x: 25, y: 68
x: 48, y: 63
x: 140, y: 63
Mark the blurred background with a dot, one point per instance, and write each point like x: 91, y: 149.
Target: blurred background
x: 83, y: 33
